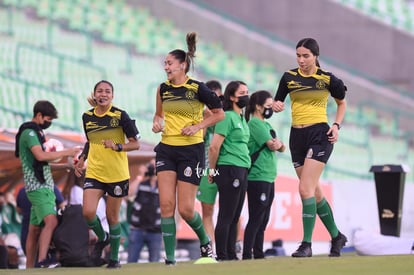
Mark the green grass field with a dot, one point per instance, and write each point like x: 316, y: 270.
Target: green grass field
x: 347, y: 264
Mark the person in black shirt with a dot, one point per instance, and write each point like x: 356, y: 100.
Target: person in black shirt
x: 312, y: 139
x: 145, y: 219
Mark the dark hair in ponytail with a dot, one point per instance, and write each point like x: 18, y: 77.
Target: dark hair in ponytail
x: 187, y: 57
x: 312, y: 45
x: 229, y: 91
x: 257, y: 98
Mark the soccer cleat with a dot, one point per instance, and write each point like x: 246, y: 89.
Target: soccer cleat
x: 304, y: 250
x: 206, y: 250
x: 337, y: 244
x: 113, y: 264
x: 47, y: 263
x: 170, y: 263
x: 239, y: 246
x: 97, y: 250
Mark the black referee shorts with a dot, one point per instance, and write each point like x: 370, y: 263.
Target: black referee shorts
x: 113, y: 189
x: 187, y: 161
x: 310, y: 142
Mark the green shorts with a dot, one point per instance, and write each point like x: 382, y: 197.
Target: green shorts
x: 207, y: 192
x: 43, y: 204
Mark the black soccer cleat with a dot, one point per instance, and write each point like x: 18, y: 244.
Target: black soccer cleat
x: 97, y: 250
x: 206, y: 250
x: 170, y: 263
x: 337, y: 244
x: 113, y: 264
x: 304, y: 250
x: 49, y: 263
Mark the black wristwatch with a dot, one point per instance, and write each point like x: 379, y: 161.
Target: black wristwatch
x: 337, y: 125
x: 119, y: 147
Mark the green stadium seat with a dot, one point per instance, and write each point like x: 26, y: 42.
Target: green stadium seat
x: 13, y: 3
x: 396, y: 13
x: 113, y: 33
x: 136, y: 75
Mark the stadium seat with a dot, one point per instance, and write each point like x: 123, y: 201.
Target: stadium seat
x: 136, y: 74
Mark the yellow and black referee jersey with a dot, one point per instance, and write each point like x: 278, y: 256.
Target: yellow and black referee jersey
x: 309, y: 94
x: 183, y: 106
x: 104, y: 164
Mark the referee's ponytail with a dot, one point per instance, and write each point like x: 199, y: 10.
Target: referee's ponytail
x: 187, y: 57
x: 191, y: 45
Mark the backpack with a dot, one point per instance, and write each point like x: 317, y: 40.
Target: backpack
x: 71, y: 238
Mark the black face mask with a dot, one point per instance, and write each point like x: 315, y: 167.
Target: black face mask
x: 150, y: 170
x: 268, y: 112
x: 243, y: 101
x: 45, y: 125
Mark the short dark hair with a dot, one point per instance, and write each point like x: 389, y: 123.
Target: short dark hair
x: 213, y: 85
x: 46, y: 108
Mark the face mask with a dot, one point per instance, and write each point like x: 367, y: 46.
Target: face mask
x: 150, y: 170
x: 45, y: 125
x: 243, y: 101
x: 268, y: 112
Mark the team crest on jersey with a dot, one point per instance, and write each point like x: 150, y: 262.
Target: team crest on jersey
x: 114, y: 122
x: 188, y: 171
x: 189, y: 94
x: 320, y: 85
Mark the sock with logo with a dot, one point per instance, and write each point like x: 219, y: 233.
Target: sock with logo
x: 325, y: 214
x: 308, y: 218
x: 196, y: 223
x: 115, y: 240
x: 169, y: 236
x: 96, y: 226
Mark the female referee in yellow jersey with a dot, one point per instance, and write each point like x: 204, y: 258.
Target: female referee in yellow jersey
x: 311, y: 137
x: 180, y: 154
x: 107, y: 128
